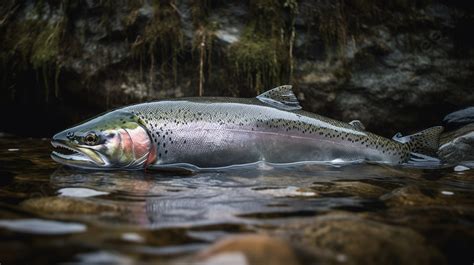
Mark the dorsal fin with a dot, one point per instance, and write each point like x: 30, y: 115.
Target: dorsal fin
x: 357, y: 125
x: 281, y: 97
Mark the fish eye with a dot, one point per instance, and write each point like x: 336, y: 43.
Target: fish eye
x: 70, y: 135
x: 91, y: 138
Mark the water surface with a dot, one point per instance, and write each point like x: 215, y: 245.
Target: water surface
x: 52, y: 214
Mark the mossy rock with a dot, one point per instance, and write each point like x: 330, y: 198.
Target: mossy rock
x: 256, y: 61
x: 62, y: 205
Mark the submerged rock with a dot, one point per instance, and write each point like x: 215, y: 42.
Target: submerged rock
x: 251, y: 249
x: 64, y: 205
x: 44, y: 227
x: 413, y: 196
x: 457, y: 147
x: 349, y: 188
x: 350, y: 239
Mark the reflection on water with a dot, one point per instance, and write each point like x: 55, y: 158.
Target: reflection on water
x: 80, y: 192
x: 130, y: 216
x: 155, y: 200
x: 37, y: 226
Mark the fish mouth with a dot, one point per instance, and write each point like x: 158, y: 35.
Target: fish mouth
x: 76, y: 156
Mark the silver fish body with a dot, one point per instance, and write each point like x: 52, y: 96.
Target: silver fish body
x: 216, y: 132
x: 220, y: 132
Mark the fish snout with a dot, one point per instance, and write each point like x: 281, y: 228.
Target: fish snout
x: 64, y: 136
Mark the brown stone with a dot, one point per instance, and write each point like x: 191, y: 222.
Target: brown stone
x: 351, y: 239
x: 64, y: 205
x: 257, y: 249
x: 351, y: 188
x: 413, y: 196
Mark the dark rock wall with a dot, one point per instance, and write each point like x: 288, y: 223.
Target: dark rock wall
x: 397, y: 65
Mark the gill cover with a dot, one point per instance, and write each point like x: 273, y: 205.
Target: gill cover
x: 115, y: 140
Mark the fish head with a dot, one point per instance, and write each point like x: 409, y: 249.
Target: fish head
x: 115, y: 140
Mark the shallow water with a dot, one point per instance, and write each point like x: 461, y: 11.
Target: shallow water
x: 51, y: 214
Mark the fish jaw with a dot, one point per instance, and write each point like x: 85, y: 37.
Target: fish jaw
x: 80, y: 156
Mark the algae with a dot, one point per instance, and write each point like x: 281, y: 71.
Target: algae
x: 204, y: 37
x: 161, y: 37
x: 263, y: 57
x: 256, y: 61
x: 34, y: 42
x: 338, y: 21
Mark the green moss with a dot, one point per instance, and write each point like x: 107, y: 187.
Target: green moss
x: 256, y: 62
x: 162, y: 38
x: 338, y: 21
x: 200, y: 10
x: 46, y: 47
x: 262, y: 58
x: 37, y: 41
x: 34, y: 42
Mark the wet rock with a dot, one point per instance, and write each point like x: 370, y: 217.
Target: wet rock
x: 290, y: 191
x: 349, y: 188
x: 459, y: 118
x: 249, y: 249
x: 350, y: 239
x: 383, y: 75
x: 414, y: 196
x: 357, y: 60
x: 457, y: 147
x: 460, y: 168
x: 430, y: 217
x: 440, y: 225
x: 40, y: 226
x: 56, y: 205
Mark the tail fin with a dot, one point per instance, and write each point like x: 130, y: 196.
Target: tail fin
x: 425, y: 142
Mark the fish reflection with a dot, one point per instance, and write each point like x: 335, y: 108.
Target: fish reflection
x: 157, y: 200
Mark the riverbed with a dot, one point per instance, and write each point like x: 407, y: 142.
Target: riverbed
x: 340, y: 214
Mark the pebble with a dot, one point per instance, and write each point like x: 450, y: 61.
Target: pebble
x: 67, y: 205
x: 445, y: 192
x: 290, y: 191
x: 460, y: 168
x: 251, y: 248
x: 39, y: 226
x: 133, y: 237
x: 80, y: 192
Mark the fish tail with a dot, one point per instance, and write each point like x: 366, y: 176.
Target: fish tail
x: 422, y: 146
x: 425, y: 142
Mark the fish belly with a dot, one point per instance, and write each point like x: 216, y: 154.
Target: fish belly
x: 219, y: 134
x: 225, y: 147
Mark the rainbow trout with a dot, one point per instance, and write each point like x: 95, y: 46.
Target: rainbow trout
x: 192, y: 133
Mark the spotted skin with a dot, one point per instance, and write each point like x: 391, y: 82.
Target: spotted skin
x: 217, y: 132
x: 221, y: 132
